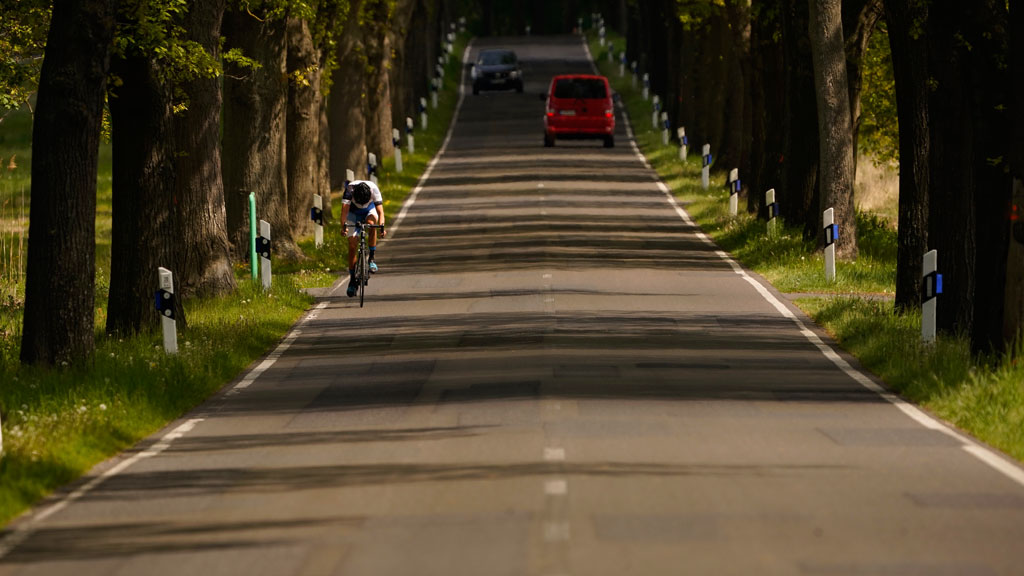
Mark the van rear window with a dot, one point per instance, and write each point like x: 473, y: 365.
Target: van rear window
x: 580, y: 88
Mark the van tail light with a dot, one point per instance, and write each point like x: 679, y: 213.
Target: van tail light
x: 609, y: 112
x: 551, y: 111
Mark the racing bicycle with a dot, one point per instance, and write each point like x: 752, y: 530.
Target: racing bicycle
x: 363, y: 257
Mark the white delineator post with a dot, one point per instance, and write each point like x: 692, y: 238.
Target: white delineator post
x: 773, y: 211
x: 734, y: 191
x: 705, y: 162
x: 317, y: 216
x: 165, y: 306
x: 611, y: 53
x: 371, y: 167
x: 409, y: 125
x: 263, y: 246
x: 647, y: 86
x: 932, y: 287
x: 831, y: 235
x: 656, y: 101
x: 664, y: 128
x: 423, y: 113
x: 396, y: 141
x: 632, y: 68
x: 622, y: 64
x: 433, y: 89
x: 683, y: 142
x: 350, y: 176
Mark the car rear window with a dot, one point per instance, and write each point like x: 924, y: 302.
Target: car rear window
x: 580, y: 88
x: 495, y: 58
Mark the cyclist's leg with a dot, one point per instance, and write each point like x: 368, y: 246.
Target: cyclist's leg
x: 371, y: 218
x: 353, y: 221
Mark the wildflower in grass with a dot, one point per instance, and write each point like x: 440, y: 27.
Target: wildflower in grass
x: 102, y: 407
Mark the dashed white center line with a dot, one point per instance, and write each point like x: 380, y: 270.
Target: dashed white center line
x: 557, y: 487
x: 554, y: 454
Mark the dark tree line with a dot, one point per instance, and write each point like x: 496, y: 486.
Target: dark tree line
x: 742, y: 76
x: 302, y: 91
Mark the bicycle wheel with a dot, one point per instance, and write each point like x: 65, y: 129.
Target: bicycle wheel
x: 364, y: 271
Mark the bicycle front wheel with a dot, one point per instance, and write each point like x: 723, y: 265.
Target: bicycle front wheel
x: 364, y: 273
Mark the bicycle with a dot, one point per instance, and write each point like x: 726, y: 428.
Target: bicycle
x: 363, y: 258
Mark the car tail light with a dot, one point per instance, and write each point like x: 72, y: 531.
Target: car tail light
x: 609, y: 112
x: 551, y: 111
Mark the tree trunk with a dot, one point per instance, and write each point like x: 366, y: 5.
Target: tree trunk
x: 798, y: 197
x: 834, y: 127
x: 255, y: 106
x: 144, y: 213
x: 345, y: 106
x: 989, y: 112
x: 859, y: 20
x: 60, y: 280
x: 303, y: 125
x: 951, y: 220
x: 735, y: 150
x: 1013, y: 316
x: 767, y: 104
x: 204, y: 260
x: 910, y: 69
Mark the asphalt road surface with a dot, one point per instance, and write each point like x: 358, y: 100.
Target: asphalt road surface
x: 555, y: 374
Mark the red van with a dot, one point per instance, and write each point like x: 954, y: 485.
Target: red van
x: 579, y: 106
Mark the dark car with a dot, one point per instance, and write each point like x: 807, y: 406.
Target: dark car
x: 497, y: 69
x: 579, y: 106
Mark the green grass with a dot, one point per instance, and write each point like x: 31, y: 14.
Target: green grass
x: 982, y: 396
x: 58, y: 423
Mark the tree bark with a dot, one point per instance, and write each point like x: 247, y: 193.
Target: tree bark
x: 204, y: 261
x: 144, y: 211
x: 345, y: 106
x: 798, y: 197
x: 767, y: 104
x: 58, y: 321
x: 951, y: 218
x: 1013, y: 316
x: 303, y: 125
x: 906, y: 20
x: 834, y: 126
x: 254, y: 143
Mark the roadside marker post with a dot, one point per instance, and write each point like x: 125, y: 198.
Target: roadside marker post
x: 664, y: 128
x: 656, y: 101
x: 350, y: 177
x: 253, y: 263
x: 705, y: 162
x: 316, y: 214
x: 683, y: 142
x: 622, y: 64
x: 579, y: 25
x: 433, y: 90
x: 409, y: 125
x: 734, y: 186
x: 165, y: 306
x: 371, y: 167
x: 600, y: 34
x: 647, y: 86
x: 263, y: 243
x: 773, y: 212
x: 931, y: 288
x: 831, y: 235
x: 423, y: 113
x: 632, y: 70
x: 611, y: 53
x: 462, y: 25
x: 396, y: 141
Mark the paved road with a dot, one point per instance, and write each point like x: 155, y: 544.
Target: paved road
x: 554, y: 374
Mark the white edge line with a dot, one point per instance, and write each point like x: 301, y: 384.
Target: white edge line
x: 27, y: 528
x: 983, y: 453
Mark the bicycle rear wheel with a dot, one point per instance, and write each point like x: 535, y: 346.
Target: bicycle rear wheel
x: 364, y: 272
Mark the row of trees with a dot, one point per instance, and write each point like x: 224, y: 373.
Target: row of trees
x: 208, y: 101
x: 775, y: 86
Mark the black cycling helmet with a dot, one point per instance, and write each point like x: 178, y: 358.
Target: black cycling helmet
x: 361, y: 193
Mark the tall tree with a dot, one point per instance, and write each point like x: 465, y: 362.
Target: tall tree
x: 859, y: 20
x: 59, y: 287
x: 303, y: 122
x: 767, y: 102
x: 204, y: 262
x: 798, y: 195
x: 345, y: 105
x: 143, y: 212
x: 834, y: 126
x: 255, y: 102
x: 906, y: 20
x: 1013, y: 323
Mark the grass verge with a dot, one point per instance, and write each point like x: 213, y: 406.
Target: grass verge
x: 59, y: 423
x: 982, y: 396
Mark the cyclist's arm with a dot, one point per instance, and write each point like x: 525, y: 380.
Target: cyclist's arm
x: 380, y: 218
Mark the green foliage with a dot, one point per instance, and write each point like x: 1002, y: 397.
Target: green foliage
x: 879, y: 130
x: 23, y: 29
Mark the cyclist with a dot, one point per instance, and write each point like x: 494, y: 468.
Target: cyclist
x: 361, y: 203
